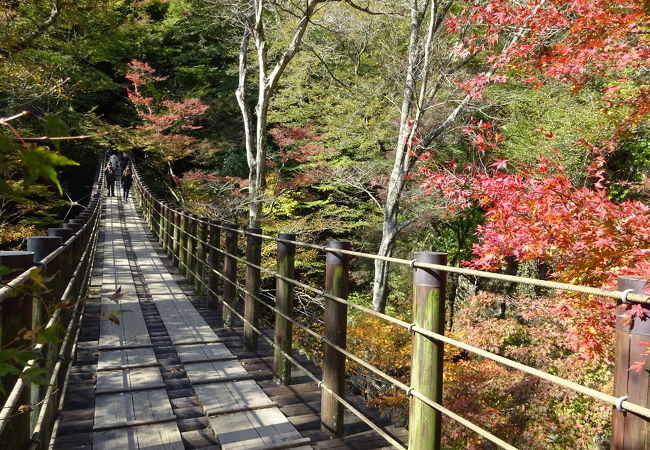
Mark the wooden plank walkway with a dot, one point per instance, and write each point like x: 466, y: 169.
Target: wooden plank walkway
x: 168, y: 375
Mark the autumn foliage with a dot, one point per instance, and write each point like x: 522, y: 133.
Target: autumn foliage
x: 163, y: 120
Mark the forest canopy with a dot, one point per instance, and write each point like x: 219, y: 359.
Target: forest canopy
x: 512, y: 135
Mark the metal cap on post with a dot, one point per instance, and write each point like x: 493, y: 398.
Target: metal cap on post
x: 284, y: 304
x: 336, y: 279
x: 71, y: 226
x: 63, y: 233
x: 630, y: 431
x: 42, y: 245
x: 253, y: 283
x: 427, y: 354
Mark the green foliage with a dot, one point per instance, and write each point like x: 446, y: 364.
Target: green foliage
x: 544, y: 120
x: 629, y: 167
x: 39, y: 162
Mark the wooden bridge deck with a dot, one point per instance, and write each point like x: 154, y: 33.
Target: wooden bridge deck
x: 169, y: 376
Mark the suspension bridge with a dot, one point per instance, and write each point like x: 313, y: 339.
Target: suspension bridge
x: 151, y: 336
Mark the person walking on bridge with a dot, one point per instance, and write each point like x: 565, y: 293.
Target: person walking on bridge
x: 127, y: 182
x: 109, y: 176
x: 114, y: 160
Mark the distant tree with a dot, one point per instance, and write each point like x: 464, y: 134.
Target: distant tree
x: 163, y: 121
x: 568, y: 40
x: 255, y: 17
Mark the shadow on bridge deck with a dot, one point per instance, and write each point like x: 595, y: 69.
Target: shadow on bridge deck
x: 168, y: 375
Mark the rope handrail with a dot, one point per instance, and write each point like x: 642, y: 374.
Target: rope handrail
x: 489, y: 436
x: 319, y: 382
x: 407, y: 389
x: 76, y: 254
x: 14, y: 396
x: 569, y: 287
x: 9, y: 287
x: 22, y: 278
x: 73, y: 327
x: 637, y: 409
x: 155, y: 217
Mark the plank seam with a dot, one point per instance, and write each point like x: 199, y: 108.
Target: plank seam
x: 233, y: 378
x: 128, y: 366
x: 224, y: 411
x: 135, y: 423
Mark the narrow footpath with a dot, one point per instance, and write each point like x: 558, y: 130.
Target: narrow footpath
x: 157, y: 375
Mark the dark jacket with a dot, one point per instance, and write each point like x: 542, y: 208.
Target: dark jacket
x: 109, y: 173
x: 127, y: 180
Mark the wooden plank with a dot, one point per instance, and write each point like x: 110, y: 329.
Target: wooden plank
x: 259, y: 428
x: 233, y: 395
x: 203, y: 352
x: 116, y: 359
x: 123, y: 409
x: 128, y: 380
x: 151, y: 437
x: 129, y: 330
x: 183, y: 322
x: 221, y: 369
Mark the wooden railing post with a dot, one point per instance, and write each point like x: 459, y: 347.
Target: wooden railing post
x: 230, y: 274
x: 42, y: 246
x: 164, y: 242
x: 75, y: 247
x: 182, y: 243
x: 201, y: 255
x: 284, y: 303
x: 427, y: 355
x: 336, y: 276
x: 15, y: 314
x: 145, y: 206
x: 253, y: 283
x: 169, y: 221
x: 150, y: 209
x: 213, y: 278
x: 176, y: 238
x: 190, y: 266
x: 628, y: 430
x: 169, y: 239
x: 160, y: 208
x: 66, y: 257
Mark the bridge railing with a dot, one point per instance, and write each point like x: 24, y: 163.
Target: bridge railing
x: 194, y: 244
x: 41, y: 303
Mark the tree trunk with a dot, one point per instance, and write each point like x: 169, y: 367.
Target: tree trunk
x: 401, y: 165
x: 267, y: 83
x: 380, y: 286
